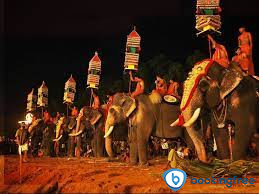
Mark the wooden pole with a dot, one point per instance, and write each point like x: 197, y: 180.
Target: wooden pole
x: 42, y: 111
x: 67, y: 109
x: 20, y: 167
x: 129, y: 84
x: 209, y: 48
x: 91, y: 97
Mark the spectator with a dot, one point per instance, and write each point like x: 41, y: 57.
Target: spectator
x: 22, y: 138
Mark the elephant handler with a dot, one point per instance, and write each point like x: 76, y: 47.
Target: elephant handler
x: 220, y: 55
x: 22, y: 139
x: 242, y: 60
x: 246, y: 45
x: 140, y: 88
x: 173, y: 88
x: 161, y: 86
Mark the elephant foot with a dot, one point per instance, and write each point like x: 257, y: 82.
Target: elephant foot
x: 144, y: 164
x: 110, y: 159
x: 133, y: 163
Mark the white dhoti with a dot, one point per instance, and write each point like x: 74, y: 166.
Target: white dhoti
x: 22, y: 148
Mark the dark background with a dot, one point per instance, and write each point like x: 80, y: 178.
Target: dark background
x: 49, y: 40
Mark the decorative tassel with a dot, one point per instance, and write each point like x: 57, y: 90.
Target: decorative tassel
x: 181, y: 120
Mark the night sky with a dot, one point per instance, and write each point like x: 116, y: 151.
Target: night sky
x: 49, y: 40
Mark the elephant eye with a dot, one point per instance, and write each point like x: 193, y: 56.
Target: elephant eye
x: 123, y: 102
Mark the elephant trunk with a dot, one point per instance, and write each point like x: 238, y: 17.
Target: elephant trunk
x: 194, y: 135
x: 78, y: 125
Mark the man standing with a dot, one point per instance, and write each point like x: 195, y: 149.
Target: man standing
x: 220, y: 55
x: 231, y: 134
x: 140, y: 88
x: 246, y: 45
x: 22, y: 138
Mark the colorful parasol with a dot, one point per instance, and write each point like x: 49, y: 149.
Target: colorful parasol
x: 31, y: 101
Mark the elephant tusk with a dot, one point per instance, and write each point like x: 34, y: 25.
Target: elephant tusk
x: 57, y: 139
x: 109, y: 132
x: 76, y: 134
x: 193, y: 118
x: 175, y: 123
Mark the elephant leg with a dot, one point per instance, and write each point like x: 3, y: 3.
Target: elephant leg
x: 142, y: 152
x: 100, y: 143
x: 133, y: 153
x: 143, y: 134
x: 71, y: 147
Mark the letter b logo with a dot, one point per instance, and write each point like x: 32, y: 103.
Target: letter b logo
x: 174, y: 178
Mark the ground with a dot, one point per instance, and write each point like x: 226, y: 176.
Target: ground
x: 96, y: 176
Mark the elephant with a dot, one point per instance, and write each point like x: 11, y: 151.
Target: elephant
x: 35, y: 130
x: 64, y: 127
x: 92, y: 122
x: 229, y: 95
x: 147, y: 115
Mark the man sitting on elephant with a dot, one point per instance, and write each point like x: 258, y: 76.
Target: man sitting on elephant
x: 241, y: 59
x: 173, y: 88
x: 161, y: 86
x: 140, y: 88
x: 220, y: 55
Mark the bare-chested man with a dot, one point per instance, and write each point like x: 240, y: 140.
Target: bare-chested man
x: 245, y: 43
x: 220, y: 55
x: 140, y: 88
x: 241, y: 59
x: 161, y: 86
x: 173, y: 88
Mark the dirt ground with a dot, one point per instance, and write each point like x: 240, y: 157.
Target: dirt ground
x: 96, y: 176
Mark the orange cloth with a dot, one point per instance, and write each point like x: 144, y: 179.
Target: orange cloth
x: 242, y: 60
x: 172, y: 89
x: 220, y: 55
x: 246, y: 47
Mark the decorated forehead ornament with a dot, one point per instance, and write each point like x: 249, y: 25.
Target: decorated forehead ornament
x: 200, y: 69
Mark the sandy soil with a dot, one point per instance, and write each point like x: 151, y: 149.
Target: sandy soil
x: 96, y: 176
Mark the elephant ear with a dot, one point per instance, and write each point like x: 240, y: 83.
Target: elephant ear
x: 230, y: 81
x: 129, y: 105
x: 95, y: 117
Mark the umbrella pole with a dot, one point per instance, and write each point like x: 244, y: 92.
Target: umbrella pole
x: 209, y: 48
x: 91, y: 98
x: 129, y: 85
x: 67, y: 109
